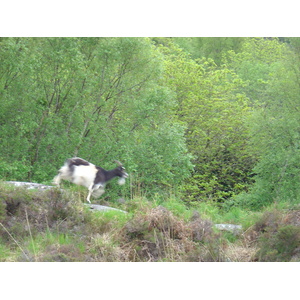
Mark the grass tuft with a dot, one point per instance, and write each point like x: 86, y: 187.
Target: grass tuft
x: 55, y: 225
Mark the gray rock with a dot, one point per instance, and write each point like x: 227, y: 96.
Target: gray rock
x: 39, y: 186
x: 103, y: 208
x: 31, y: 185
x: 235, y: 229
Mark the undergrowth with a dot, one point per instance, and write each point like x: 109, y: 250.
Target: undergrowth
x: 55, y: 225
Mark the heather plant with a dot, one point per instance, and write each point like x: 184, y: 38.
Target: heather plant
x: 56, y: 225
x: 5, y: 252
x: 159, y: 235
x: 282, y: 245
x: 278, y: 236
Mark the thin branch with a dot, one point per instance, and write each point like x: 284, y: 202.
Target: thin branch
x: 30, y: 233
x: 14, y: 240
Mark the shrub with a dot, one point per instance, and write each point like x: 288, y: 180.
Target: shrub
x: 159, y: 235
x: 104, y: 247
x: 280, y: 246
x: 278, y: 236
x: 26, y: 211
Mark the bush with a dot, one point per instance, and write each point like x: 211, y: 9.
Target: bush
x: 27, y: 212
x: 279, y: 236
x: 158, y: 235
x: 281, y: 246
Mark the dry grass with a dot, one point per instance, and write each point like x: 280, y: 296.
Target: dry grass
x: 55, y: 226
x: 240, y: 253
x: 158, y: 235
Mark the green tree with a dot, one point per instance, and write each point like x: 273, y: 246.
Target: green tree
x: 16, y: 124
x: 209, y: 47
x: 98, y: 98
x: 255, y: 62
x: 275, y: 133
x: 214, y: 111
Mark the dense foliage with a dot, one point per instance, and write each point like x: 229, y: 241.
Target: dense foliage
x: 207, y: 128
x: 215, y: 117
x: 100, y: 99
